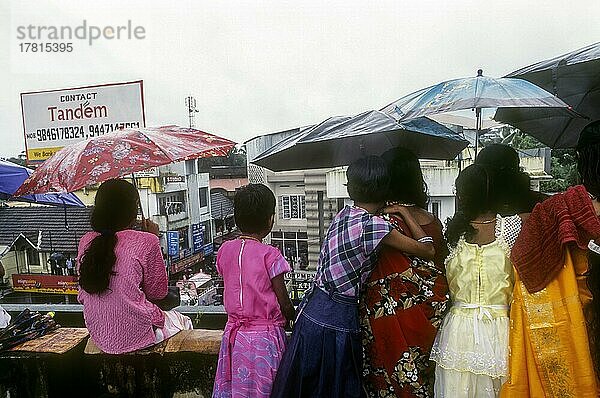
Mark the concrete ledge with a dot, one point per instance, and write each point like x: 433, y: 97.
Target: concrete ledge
x: 184, y: 309
x: 183, y: 366
x: 199, y: 341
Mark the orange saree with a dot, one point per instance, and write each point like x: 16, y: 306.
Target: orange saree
x: 549, y: 352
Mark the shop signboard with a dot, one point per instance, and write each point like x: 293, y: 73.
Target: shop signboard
x: 208, y: 249
x: 197, y: 237
x: 41, y: 283
x: 185, y: 263
x: 173, y: 243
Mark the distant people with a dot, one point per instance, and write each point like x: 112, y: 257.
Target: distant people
x: 511, y: 185
x: 256, y: 300
x: 70, y: 266
x: 404, y: 293
x: 121, y: 271
x: 557, y: 290
x: 471, y: 347
x: 324, y: 357
x: 303, y: 261
x: 55, y: 264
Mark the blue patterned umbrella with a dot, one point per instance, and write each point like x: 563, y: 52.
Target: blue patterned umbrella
x: 340, y: 140
x: 477, y: 93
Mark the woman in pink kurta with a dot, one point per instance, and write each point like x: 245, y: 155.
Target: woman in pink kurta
x: 255, y: 299
x: 121, y: 271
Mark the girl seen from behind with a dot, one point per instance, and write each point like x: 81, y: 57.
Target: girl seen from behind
x: 471, y: 347
x: 405, y: 296
x: 324, y: 357
x: 255, y: 299
x: 555, y: 311
x: 121, y: 274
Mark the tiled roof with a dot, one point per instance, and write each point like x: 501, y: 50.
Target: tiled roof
x: 55, y: 237
x: 221, y: 207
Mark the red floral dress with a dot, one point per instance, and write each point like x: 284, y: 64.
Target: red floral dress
x: 401, y: 309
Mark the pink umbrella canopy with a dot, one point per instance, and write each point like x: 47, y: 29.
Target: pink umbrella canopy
x: 121, y: 153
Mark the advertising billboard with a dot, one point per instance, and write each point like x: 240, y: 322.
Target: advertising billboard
x: 55, y: 118
x: 41, y: 283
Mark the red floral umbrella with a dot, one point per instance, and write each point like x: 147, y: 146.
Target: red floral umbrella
x: 120, y: 153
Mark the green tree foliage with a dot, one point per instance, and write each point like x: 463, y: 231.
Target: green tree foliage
x: 564, y: 171
x: 563, y: 166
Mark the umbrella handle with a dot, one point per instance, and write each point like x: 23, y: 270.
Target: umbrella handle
x: 140, y: 208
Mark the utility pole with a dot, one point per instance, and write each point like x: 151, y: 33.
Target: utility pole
x: 190, y: 103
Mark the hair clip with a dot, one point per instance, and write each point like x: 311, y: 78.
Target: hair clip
x: 594, y: 247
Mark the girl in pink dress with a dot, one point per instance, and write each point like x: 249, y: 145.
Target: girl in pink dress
x: 121, y: 274
x: 255, y: 298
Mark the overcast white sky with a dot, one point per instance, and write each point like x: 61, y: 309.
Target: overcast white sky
x: 263, y: 66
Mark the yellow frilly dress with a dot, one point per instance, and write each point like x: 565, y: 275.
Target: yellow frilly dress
x: 471, y: 347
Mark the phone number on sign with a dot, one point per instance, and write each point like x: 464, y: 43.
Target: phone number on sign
x: 46, y: 47
x: 79, y: 132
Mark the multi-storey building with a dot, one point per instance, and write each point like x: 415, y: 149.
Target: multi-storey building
x: 176, y: 197
x: 303, y: 209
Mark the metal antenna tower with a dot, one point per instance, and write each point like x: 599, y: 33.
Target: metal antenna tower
x: 190, y: 102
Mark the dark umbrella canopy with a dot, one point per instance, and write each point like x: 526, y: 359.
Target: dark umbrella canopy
x: 340, y: 140
x: 575, y: 78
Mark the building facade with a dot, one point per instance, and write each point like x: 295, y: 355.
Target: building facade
x: 177, y: 198
x: 303, y: 209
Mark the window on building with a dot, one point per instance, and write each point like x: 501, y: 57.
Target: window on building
x: 293, y: 246
x: 292, y: 207
x: 172, y: 203
x: 203, y: 195
x: 435, y: 208
x: 190, y: 167
x: 207, y: 235
x: 33, y: 257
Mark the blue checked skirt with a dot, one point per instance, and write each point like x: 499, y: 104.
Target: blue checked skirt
x: 324, y: 356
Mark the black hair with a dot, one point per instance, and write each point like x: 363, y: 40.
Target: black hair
x: 588, y: 168
x: 473, y: 197
x: 588, y: 158
x: 593, y: 310
x: 511, y: 185
x: 115, y: 209
x: 499, y: 155
x: 368, y: 180
x: 406, y: 178
x: 254, y: 205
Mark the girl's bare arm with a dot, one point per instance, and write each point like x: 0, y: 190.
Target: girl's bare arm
x: 405, y: 244
x: 287, y: 308
x: 399, y: 241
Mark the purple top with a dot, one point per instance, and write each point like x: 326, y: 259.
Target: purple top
x: 121, y: 319
x: 349, y: 252
x: 247, y: 267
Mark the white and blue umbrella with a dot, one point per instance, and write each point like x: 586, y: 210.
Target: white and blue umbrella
x: 340, y: 140
x: 573, y: 77
x: 13, y: 175
x: 476, y: 93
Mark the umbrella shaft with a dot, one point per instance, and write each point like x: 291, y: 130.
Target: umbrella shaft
x: 477, y: 129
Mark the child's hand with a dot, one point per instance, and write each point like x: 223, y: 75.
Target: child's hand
x: 397, y: 209
x: 150, y: 226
